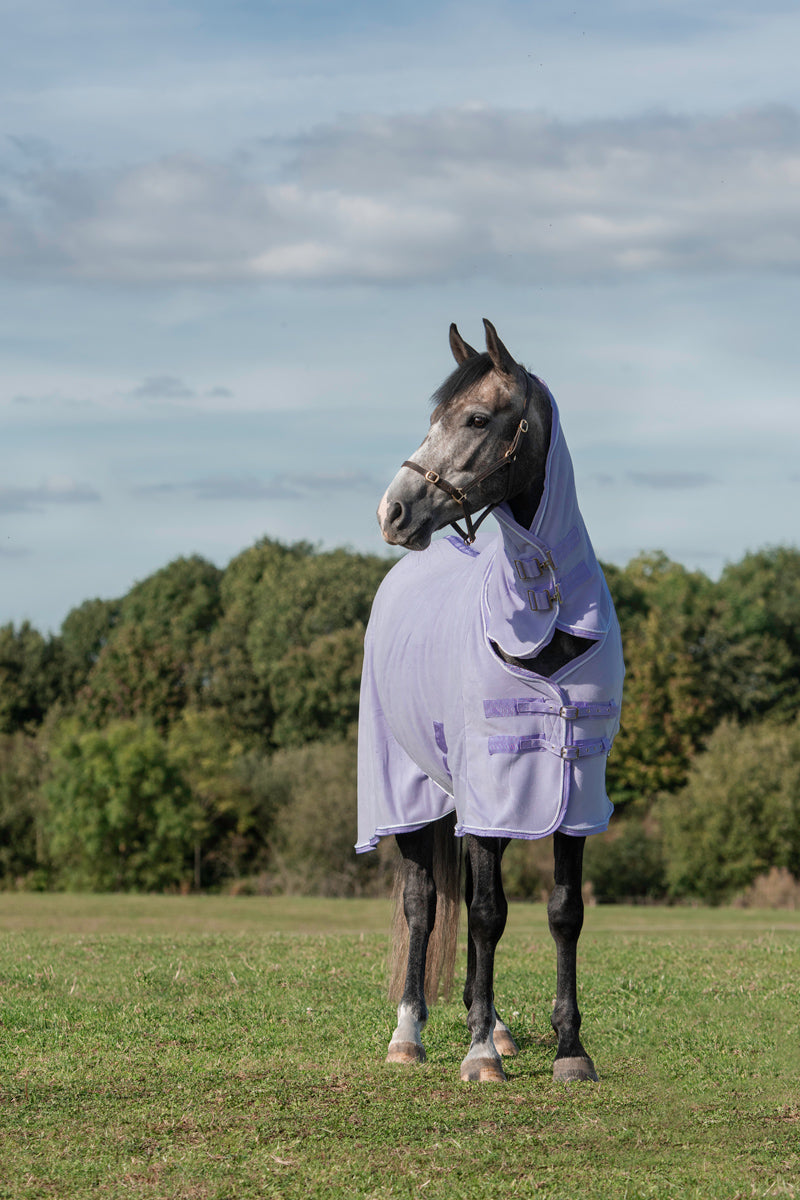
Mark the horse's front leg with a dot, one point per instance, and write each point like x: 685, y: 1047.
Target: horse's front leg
x: 419, y: 906
x: 503, y: 1040
x: 487, y: 910
x: 565, y: 915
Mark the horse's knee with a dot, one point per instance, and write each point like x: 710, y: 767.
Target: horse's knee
x: 565, y: 913
x: 487, y: 918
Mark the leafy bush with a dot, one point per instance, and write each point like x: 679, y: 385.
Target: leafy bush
x: 739, y: 814
x: 315, y: 827
x: 777, y: 889
x: 121, y: 816
x: 626, y: 863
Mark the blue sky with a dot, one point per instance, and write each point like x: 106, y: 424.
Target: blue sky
x: 233, y: 237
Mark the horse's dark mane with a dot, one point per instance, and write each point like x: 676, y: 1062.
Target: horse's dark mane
x: 462, y: 379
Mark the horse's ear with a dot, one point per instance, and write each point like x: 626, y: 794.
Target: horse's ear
x: 500, y: 357
x: 461, y: 349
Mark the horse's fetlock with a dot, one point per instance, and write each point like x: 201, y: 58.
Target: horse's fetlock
x: 565, y: 1016
x: 480, y: 1023
x: 414, y: 1009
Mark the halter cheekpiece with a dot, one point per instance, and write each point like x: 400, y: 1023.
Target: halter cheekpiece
x: 460, y: 494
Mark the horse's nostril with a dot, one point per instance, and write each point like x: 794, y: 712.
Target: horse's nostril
x: 395, y: 514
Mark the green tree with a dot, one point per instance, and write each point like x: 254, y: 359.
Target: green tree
x: 752, y: 645
x: 181, y: 601
x: 739, y: 814
x: 627, y: 587
x: 120, y: 812
x: 229, y: 683
x: 146, y: 661
x: 22, y: 818
x: 313, y: 595
x: 229, y: 680
x: 84, y: 632
x: 277, y: 599
x: 30, y: 673
x: 139, y: 673
x: 226, y: 815
x: 667, y: 710
x: 314, y: 689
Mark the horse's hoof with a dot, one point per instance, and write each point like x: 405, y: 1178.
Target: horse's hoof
x: 573, y: 1070
x: 405, y: 1052
x: 504, y: 1043
x: 482, y: 1070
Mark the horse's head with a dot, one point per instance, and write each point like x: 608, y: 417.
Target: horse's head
x: 487, y: 442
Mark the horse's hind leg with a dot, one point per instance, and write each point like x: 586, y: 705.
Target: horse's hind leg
x: 488, y: 909
x: 419, y: 906
x: 565, y: 915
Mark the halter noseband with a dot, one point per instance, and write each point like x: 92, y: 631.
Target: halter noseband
x: 460, y: 494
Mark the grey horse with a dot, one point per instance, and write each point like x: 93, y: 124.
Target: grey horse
x: 490, y: 694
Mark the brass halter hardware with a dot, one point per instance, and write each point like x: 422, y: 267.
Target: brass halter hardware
x: 460, y: 494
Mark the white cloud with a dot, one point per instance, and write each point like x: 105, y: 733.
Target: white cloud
x: 163, y: 387
x: 452, y: 194
x: 283, y: 486
x: 58, y: 490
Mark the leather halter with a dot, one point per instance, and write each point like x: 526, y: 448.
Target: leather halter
x: 460, y: 494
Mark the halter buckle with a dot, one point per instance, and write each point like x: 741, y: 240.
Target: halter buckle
x: 431, y: 477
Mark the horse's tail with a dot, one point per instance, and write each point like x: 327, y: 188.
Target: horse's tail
x: 443, y: 943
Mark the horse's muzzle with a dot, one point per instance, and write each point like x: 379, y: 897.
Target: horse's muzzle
x: 399, y: 528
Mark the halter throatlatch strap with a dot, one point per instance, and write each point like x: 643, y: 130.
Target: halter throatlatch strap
x: 460, y: 494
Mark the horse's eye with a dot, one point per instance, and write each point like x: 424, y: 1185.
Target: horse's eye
x: 478, y: 421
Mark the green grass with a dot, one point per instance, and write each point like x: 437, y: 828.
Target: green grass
x: 212, y: 1047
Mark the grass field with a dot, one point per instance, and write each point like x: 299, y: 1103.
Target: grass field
x: 213, y: 1047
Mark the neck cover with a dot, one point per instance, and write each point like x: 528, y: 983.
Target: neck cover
x: 446, y: 724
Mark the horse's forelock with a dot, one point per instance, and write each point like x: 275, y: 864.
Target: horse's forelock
x: 462, y: 379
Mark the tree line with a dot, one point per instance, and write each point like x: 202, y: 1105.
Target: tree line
x: 199, y: 732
